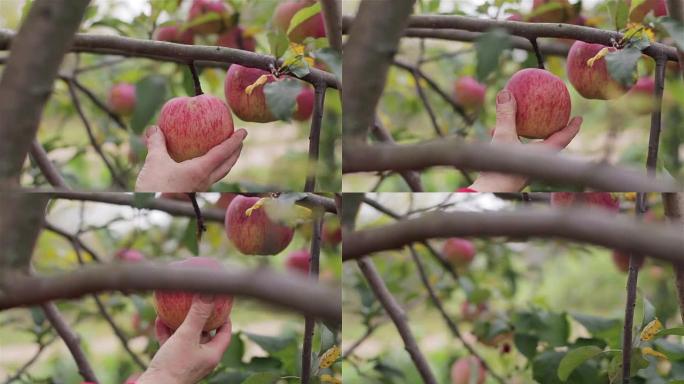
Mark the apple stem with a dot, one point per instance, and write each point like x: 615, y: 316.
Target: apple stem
x: 195, y: 78
x: 537, y: 52
x: 198, y: 214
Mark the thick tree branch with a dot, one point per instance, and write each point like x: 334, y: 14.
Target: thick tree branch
x: 279, y: 289
x: 368, y: 54
x: 29, y: 75
x: 537, y: 163
x: 613, y: 231
x: 21, y: 219
x: 332, y: 16
x: 398, y: 316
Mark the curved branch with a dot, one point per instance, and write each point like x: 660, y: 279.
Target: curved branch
x: 279, y: 289
x: 537, y: 163
x: 577, y: 224
x: 46, y: 167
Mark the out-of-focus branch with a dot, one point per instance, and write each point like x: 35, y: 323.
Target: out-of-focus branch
x: 613, y: 231
x: 96, y: 101
x: 674, y: 206
x: 332, y: 16
x: 29, y: 75
x: 21, y: 219
x: 309, y: 322
x: 536, y: 163
x: 49, y: 170
x: 315, y: 137
x: 412, y: 178
x: 41, y: 348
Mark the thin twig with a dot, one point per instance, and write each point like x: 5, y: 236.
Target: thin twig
x: 195, y: 78
x: 537, y: 52
x: 31, y: 361
x: 426, y: 103
x: 310, y: 322
x: 100, y: 65
x: 97, y: 102
x: 198, y: 215
x: 656, y: 119
x: 315, y: 137
x: 49, y: 170
x: 381, y: 134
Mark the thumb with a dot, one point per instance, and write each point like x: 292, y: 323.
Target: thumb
x: 202, y: 307
x: 505, y: 114
x: 155, y: 141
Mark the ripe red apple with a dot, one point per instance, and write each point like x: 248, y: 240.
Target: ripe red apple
x: 562, y: 11
x: 621, y: 261
x: 640, y: 97
x: 248, y: 107
x: 122, y: 98
x: 236, y: 38
x: 256, y: 234
x: 172, y: 307
x: 459, y: 252
x: 298, y: 261
x: 225, y: 199
x: 305, y: 104
x: 543, y: 103
x: 332, y: 232
x: 637, y: 15
x: 129, y: 255
x: 469, y: 93
x: 460, y: 371
x: 201, y: 8
x: 591, y: 82
x: 194, y: 125
x: 173, y: 34
x: 515, y: 17
x: 471, y: 311
x: 312, y: 27
x: 604, y: 200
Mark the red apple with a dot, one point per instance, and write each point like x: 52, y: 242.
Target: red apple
x: 129, y: 255
x: 459, y: 252
x: 640, y: 97
x: 236, y: 38
x: 194, y: 125
x: 225, y: 199
x: 332, y: 232
x: 515, y: 17
x: 172, y: 307
x: 543, y: 103
x: 248, y: 107
x: 621, y: 261
x: 592, y: 82
x: 469, y: 93
x: 173, y: 34
x: 122, y: 98
x: 560, y: 12
x: 298, y: 261
x: 311, y: 27
x: 256, y: 234
x: 460, y: 371
x: 305, y: 104
x: 200, y: 8
x: 637, y: 15
x: 471, y: 311
x: 604, y: 200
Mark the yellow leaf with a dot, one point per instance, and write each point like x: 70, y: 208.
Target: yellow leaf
x: 651, y: 329
x: 602, y: 53
x: 260, y: 81
x: 256, y: 206
x: 630, y: 196
x: 297, y: 48
x: 329, y: 357
x: 309, y: 60
x: 653, y: 352
x: 329, y: 379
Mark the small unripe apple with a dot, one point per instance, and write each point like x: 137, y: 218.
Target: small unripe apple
x: 255, y: 234
x: 543, y: 103
x: 592, y: 82
x: 561, y: 12
x: 299, y: 261
x: 122, y: 98
x: 604, y: 200
x: 471, y: 311
x: 225, y: 199
x: 469, y: 93
x: 621, y: 261
x: 332, y: 232
x: 129, y: 255
x: 459, y: 252
x: 194, y: 125
x: 312, y: 27
x: 248, y: 107
x: 201, y: 8
x: 236, y: 38
x: 172, y: 307
x: 640, y: 99
x: 305, y: 104
x: 461, y: 371
x: 173, y: 34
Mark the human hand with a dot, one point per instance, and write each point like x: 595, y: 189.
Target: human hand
x: 161, y: 173
x: 188, y: 354
x: 506, y: 133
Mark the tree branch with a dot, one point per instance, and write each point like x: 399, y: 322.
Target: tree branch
x: 412, y: 178
x: 537, y: 163
x: 613, y: 231
x: 46, y: 167
x: 332, y: 16
x: 309, y: 322
x: 674, y: 206
x: 21, y: 219
x: 315, y: 137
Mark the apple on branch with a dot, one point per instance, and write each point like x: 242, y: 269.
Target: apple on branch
x: 588, y: 72
x: 298, y: 261
x: 311, y: 27
x: 215, y: 16
x: 252, y: 231
x: 122, y: 98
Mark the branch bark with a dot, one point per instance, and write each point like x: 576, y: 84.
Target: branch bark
x: 332, y: 16
x: 309, y: 322
x: 412, y: 178
x: 29, y: 75
x: 48, y: 169
x: 537, y: 163
x: 315, y: 137
x: 21, y: 219
x: 278, y: 289
x: 613, y: 231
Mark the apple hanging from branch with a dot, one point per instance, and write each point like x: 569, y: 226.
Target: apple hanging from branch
x: 252, y: 231
x: 311, y: 27
x: 122, y: 99
x: 589, y: 74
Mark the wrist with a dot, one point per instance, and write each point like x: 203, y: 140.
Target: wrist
x: 152, y: 376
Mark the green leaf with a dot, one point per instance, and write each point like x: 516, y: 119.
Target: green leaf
x: 232, y: 357
x: 188, y: 82
x: 150, y: 96
x: 679, y: 331
x: 574, y: 358
x: 332, y: 59
x: 281, y: 97
x: 622, y: 65
x: 526, y: 344
x: 262, y: 378
x: 489, y: 47
x: 621, y: 14
x: 302, y: 15
x: 189, y: 239
x: 278, y: 43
